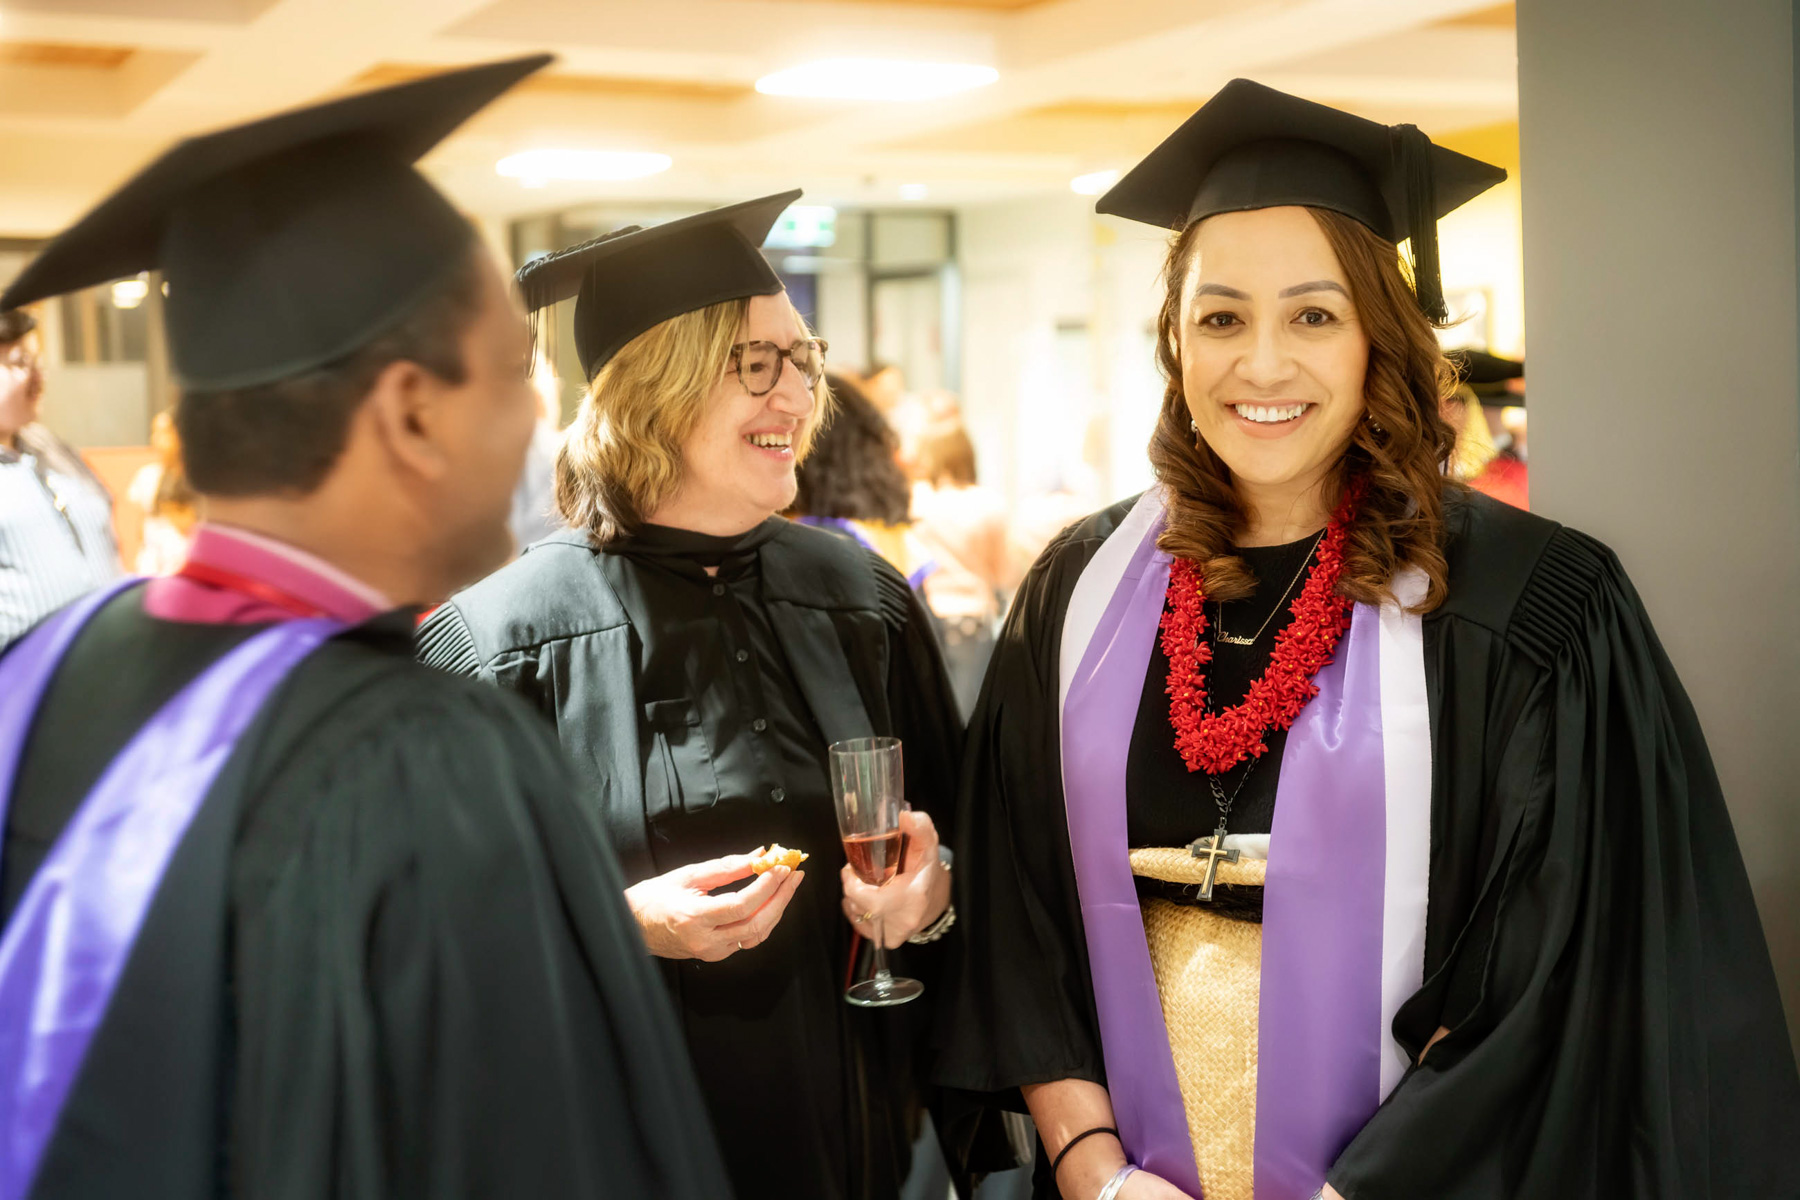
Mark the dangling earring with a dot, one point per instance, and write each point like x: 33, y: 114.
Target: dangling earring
x: 1374, y: 424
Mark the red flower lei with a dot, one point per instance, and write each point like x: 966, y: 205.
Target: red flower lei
x: 1215, y: 743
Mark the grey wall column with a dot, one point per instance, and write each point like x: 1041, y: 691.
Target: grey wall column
x: 1658, y: 141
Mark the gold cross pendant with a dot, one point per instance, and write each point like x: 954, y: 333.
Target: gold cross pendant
x: 1212, y: 850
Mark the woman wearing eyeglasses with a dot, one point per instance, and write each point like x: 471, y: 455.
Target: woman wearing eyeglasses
x: 698, y: 653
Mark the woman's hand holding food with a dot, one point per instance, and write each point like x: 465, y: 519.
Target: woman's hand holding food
x: 915, y: 897
x: 680, y: 918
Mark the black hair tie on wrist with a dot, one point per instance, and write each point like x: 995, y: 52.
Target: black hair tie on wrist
x: 1056, y: 1164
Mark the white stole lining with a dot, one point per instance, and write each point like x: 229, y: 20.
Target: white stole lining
x: 1094, y: 590
x: 1406, y: 759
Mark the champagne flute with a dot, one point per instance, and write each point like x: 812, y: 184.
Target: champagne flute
x: 868, y: 783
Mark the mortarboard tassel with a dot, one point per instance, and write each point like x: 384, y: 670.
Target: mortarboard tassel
x: 1413, y: 150
x: 533, y: 320
x: 541, y: 289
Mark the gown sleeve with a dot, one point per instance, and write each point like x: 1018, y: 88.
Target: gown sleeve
x: 1614, y: 1023
x: 922, y: 713
x: 1020, y: 1008
x: 444, y: 994
x: 443, y: 641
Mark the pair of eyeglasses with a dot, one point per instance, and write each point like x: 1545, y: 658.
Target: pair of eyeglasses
x: 759, y: 364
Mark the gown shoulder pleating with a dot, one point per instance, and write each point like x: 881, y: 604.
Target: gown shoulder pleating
x: 1593, y: 946
x: 553, y: 592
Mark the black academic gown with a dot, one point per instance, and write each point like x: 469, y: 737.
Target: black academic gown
x: 389, y: 958
x: 1591, y: 939
x: 699, y: 707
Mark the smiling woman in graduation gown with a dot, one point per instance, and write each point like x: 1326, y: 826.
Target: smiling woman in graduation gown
x: 285, y: 913
x: 697, y: 654
x: 1507, y: 946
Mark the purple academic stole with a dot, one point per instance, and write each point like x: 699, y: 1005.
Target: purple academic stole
x: 67, y: 943
x: 1319, y: 1070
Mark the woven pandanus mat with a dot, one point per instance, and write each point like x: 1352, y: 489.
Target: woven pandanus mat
x: 1209, y: 975
x: 1180, y: 866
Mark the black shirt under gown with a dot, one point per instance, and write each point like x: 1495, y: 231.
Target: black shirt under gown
x: 388, y: 959
x: 809, y: 1095
x: 1592, y: 943
x: 1166, y: 804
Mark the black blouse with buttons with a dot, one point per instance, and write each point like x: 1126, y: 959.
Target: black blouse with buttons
x: 728, y: 733
x: 803, y: 1088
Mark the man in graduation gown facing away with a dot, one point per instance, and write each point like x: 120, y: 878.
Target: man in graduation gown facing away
x: 286, y: 914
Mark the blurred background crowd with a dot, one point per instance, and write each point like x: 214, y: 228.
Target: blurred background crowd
x: 992, y: 338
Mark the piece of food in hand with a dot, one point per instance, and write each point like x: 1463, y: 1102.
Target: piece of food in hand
x: 777, y: 856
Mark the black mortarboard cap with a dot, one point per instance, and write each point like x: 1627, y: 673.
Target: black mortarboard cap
x: 633, y: 279
x: 1251, y: 146
x: 290, y: 241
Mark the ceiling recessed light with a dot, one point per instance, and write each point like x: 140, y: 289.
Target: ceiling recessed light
x: 129, y: 293
x: 875, y: 79
x: 534, y: 168
x: 914, y: 191
x: 1093, y: 183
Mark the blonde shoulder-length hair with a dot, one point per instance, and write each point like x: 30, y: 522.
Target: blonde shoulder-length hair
x: 621, y: 457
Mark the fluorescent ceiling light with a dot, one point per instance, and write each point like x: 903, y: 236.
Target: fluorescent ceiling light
x: 534, y: 168
x: 1094, y: 183
x: 875, y: 79
x: 914, y: 191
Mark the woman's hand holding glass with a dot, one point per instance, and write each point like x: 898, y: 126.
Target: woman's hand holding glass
x: 680, y: 918
x: 914, y: 898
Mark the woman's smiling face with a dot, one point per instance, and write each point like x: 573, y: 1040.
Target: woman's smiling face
x: 738, y: 464
x: 1272, y: 354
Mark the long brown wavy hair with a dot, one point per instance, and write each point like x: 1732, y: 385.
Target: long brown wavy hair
x: 1398, y: 452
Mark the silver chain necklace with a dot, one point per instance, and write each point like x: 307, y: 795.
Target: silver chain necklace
x: 1212, y: 849
x: 1219, y: 625
x: 1223, y: 801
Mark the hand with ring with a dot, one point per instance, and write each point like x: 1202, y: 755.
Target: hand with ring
x: 680, y: 918
x: 915, y: 897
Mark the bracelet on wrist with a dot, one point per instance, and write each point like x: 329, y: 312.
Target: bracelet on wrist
x: 936, y: 929
x: 1057, y: 1162
x: 1117, y: 1182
